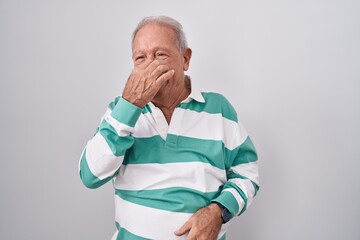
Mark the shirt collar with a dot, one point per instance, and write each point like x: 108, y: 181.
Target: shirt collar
x: 195, y: 94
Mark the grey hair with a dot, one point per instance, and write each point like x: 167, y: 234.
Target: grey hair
x: 166, y: 21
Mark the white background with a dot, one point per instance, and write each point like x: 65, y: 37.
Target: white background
x: 291, y: 69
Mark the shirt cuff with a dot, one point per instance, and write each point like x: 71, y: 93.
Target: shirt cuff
x: 229, y: 201
x: 126, y: 112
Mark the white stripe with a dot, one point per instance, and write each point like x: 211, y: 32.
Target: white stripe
x: 248, y: 170
x: 150, y: 222
x: 162, y: 125
x: 121, y: 129
x: 114, y: 237
x: 195, y: 175
x: 238, y: 198
x: 207, y: 126
x: 240, y: 136
x: 247, y: 187
x: 81, y: 156
x: 101, y: 161
x: 145, y: 126
x: 107, y: 113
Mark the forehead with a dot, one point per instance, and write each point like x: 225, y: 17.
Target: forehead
x: 154, y: 35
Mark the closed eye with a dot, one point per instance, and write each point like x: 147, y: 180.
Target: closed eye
x: 161, y: 55
x: 139, y: 59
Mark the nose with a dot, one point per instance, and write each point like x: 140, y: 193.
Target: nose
x: 151, y: 57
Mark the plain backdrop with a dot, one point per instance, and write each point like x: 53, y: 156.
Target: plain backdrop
x: 290, y: 68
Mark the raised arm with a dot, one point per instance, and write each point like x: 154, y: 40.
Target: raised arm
x: 104, y: 153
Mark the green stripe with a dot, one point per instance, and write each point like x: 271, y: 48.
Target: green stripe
x: 146, y: 109
x: 113, y: 103
x: 177, y: 149
x: 245, y: 153
x: 126, y: 112
x: 223, y: 237
x: 174, y: 199
x: 87, y: 177
x: 214, y: 103
x: 229, y: 201
x: 126, y: 235
x: 117, y: 144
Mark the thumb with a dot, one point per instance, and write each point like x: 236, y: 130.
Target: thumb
x: 185, y: 228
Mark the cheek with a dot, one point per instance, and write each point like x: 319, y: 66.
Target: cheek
x: 176, y: 63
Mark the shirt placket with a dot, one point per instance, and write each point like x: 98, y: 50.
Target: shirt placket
x: 161, y: 124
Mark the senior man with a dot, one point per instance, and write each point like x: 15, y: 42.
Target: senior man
x: 181, y: 163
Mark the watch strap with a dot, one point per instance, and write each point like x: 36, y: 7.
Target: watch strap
x: 225, y: 213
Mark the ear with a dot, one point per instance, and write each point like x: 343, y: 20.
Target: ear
x: 187, y: 56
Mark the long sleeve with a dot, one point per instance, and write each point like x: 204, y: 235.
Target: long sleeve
x: 104, y: 152
x: 242, y: 173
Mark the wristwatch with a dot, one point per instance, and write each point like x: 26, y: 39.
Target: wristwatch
x: 225, y: 213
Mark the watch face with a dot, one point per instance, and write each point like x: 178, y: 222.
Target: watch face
x: 226, y: 215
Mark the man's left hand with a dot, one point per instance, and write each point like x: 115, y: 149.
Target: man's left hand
x: 205, y: 224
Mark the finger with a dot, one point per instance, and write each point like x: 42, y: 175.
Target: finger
x: 192, y: 235
x: 145, y: 68
x: 184, y: 229
x: 150, y: 66
x: 164, y: 77
x: 159, y: 70
x: 145, y: 64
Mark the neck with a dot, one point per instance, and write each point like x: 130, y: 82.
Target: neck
x: 168, y: 102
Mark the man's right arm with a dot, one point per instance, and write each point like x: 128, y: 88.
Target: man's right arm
x: 104, y: 152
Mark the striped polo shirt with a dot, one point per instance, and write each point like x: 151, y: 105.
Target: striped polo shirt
x: 162, y: 173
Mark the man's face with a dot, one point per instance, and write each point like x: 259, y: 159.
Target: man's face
x: 154, y: 41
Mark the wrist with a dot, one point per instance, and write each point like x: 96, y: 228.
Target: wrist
x: 225, y: 214
x: 216, y: 211
x: 137, y: 102
x: 216, y: 208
